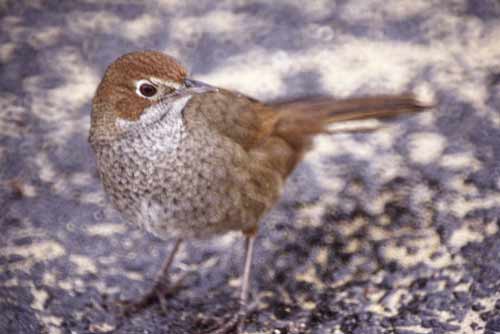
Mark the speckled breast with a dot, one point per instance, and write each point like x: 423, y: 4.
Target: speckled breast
x: 191, y: 189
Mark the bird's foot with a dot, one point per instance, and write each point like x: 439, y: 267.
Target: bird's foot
x: 160, y: 291
x: 234, y: 323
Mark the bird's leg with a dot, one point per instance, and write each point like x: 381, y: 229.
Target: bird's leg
x: 161, y: 287
x: 237, y: 320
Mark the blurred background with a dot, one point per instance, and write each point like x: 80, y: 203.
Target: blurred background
x: 395, y: 231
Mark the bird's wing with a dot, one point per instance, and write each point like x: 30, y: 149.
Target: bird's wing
x: 281, y: 132
x: 244, y: 120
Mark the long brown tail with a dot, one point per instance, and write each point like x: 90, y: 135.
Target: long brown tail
x: 312, y: 116
x: 301, y: 119
x: 297, y: 121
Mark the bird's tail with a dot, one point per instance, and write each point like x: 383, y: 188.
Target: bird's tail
x: 300, y: 119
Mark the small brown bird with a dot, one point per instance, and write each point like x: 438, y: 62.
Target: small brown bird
x: 185, y: 159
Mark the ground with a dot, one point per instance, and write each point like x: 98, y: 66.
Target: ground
x: 395, y: 231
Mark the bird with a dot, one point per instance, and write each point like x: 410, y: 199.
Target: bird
x: 184, y: 159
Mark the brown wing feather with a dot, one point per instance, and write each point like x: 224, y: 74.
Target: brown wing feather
x: 276, y: 136
x: 245, y: 120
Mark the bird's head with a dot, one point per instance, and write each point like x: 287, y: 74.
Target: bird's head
x: 139, y: 88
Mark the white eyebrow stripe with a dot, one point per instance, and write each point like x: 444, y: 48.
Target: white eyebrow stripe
x: 169, y: 83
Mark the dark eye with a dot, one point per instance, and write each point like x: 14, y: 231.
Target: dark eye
x: 147, y: 90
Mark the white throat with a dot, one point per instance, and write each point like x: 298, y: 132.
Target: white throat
x: 159, y: 130
x: 156, y: 112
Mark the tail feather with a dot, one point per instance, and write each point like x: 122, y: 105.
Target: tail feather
x: 312, y: 116
x: 300, y: 120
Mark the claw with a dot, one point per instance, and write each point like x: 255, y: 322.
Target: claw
x: 159, y: 292
x: 225, y: 326
x: 237, y: 321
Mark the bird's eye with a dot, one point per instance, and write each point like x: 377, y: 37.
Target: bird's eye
x: 147, y: 90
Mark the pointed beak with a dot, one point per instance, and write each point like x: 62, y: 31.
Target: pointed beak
x: 190, y: 83
x: 198, y: 86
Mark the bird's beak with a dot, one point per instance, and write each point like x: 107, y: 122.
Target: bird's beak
x: 198, y: 86
x: 190, y: 83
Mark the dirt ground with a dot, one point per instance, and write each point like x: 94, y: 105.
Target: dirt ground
x: 395, y: 231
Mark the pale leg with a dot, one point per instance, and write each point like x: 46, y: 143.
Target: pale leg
x: 160, y: 288
x: 245, y: 287
x: 238, y: 319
